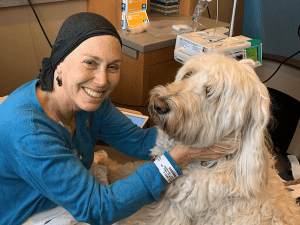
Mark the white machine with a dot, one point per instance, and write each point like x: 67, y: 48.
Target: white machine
x: 215, y: 40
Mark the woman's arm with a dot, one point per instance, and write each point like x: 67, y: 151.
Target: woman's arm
x: 55, y: 174
x: 123, y: 135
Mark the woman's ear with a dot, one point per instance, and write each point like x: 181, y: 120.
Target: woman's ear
x: 59, y: 68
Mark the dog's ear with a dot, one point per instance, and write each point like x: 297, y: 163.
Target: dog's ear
x: 251, y: 162
x: 249, y: 62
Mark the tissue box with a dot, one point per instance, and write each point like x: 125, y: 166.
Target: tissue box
x: 129, y: 6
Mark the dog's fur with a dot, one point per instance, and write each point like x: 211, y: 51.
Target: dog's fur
x: 217, y: 101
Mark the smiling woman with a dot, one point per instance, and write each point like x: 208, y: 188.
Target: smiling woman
x: 88, y: 75
x: 49, y: 128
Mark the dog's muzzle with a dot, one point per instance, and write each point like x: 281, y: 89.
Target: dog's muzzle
x: 160, y: 106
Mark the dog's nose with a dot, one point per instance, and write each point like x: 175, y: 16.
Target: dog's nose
x: 160, y: 106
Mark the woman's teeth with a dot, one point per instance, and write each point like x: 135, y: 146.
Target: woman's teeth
x: 92, y: 93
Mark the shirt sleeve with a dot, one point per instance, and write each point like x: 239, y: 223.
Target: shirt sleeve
x: 123, y: 135
x: 52, y: 169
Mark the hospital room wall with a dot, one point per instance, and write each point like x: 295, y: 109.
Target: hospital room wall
x: 23, y: 45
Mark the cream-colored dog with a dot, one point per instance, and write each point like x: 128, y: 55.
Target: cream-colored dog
x: 216, y: 101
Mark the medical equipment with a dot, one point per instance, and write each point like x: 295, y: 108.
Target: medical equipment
x: 215, y: 40
x: 199, y: 9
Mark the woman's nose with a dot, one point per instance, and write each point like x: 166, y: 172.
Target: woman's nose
x: 100, y: 78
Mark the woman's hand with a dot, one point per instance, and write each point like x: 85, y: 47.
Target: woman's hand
x: 183, y: 155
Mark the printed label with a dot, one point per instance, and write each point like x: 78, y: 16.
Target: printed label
x: 134, y: 5
x: 136, y: 19
x: 166, y: 169
x: 190, y: 46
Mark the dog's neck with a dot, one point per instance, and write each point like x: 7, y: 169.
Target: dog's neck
x: 165, y: 144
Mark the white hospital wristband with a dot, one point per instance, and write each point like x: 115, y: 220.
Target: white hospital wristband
x: 165, y: 168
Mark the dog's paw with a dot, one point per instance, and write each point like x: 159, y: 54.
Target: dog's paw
x: 99, y: 156
x: 100, y: 174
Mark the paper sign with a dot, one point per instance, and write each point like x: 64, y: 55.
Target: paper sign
x: 134, y: 5
x: 136, y: 19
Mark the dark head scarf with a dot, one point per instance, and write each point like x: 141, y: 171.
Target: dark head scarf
x: 76, y: 29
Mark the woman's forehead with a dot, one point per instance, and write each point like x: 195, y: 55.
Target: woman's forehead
x: 99, y: 47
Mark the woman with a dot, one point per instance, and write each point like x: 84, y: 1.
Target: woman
x: 49, y: 127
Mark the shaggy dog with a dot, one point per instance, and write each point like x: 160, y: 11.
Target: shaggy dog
x: 216, y: 101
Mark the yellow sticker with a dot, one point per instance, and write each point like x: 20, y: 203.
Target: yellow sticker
x: 136, y: 19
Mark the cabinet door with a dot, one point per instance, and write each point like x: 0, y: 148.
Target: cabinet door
x: 110, y: 9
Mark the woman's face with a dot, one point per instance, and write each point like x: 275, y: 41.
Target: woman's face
x: 90, y: 72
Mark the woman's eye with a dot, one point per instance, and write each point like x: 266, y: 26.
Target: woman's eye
x: 187, y: 75
x: 114, y: 67
x: 89, y: 62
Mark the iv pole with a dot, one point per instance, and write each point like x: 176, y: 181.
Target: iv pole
x: 200, y: 7
x: 232, y: 18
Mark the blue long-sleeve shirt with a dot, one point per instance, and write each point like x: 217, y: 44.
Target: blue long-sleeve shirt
x: 39, y: 171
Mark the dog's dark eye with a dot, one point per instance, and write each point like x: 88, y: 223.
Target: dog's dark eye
x: 208, y: 90
x: 187, y: 75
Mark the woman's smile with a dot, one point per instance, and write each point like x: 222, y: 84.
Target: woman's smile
x: 92, y: 93
x: 89, y: 74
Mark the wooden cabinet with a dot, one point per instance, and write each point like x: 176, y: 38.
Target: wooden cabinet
x: 110, y: 9
x: 187, y: 7
x: 139, y: 76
